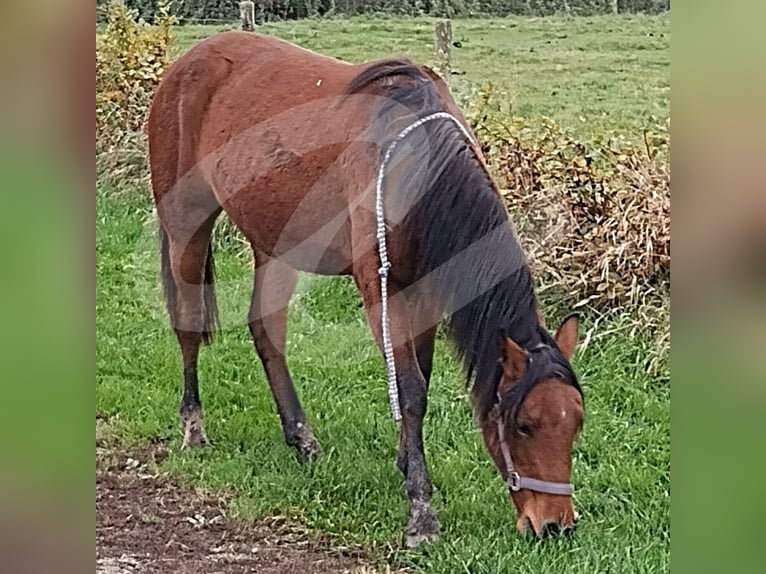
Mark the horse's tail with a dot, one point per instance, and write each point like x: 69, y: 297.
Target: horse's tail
x: 211, y: 322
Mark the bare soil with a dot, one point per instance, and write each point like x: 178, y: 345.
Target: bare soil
x: 148, y: 523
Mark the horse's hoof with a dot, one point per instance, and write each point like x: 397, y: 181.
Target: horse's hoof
x: 194, y: 441
x: 309, y: 449
x: 422, y: 526
x: 303, y: 440
x: 415, y: 540
x: 194, y: 431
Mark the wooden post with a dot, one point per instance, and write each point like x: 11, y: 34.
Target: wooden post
x: 443, y: 44
x: 247, y: 15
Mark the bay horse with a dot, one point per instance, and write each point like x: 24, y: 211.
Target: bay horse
x: 288, y: 143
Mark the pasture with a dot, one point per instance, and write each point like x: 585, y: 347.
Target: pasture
x: 597, y: 76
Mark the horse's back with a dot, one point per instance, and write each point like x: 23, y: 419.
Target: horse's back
x: 236, y: 80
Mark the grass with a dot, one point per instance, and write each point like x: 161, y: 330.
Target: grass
x: 593, y: 75
x: 597, y: 75
x: 354, y: 493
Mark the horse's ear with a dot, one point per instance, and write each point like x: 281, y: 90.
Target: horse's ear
x: 566, y: 336
x: 514, y: 363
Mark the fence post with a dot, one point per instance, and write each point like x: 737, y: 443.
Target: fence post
x: 247, y: 15
x: 443, y: 44
x: 615, y: 7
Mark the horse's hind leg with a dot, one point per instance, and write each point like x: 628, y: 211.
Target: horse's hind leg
x: 274, y: 284
x: 187, y: 216
x: 188, y: 269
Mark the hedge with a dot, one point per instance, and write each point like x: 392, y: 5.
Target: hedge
x: 196, y: 10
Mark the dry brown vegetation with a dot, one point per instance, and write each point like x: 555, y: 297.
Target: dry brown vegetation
x: 594, y: 217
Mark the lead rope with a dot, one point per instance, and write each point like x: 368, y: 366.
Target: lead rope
x: 385, y: 265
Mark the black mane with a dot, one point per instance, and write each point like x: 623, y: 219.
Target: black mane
x: 451, y: 214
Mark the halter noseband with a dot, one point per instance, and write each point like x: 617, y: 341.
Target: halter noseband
x: 517, y: 482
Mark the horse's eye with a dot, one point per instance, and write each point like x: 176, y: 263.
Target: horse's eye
x: 524, y: 429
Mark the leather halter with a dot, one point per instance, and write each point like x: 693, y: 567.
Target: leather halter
x: 517, y: 482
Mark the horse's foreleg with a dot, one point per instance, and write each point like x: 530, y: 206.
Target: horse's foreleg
x: 423, y: 325
x: 274, y: 284
x: 412, y: 384
x: 422, y: 524
x: 424, y: 351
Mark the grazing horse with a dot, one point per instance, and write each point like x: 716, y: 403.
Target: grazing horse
x: 289, y: 144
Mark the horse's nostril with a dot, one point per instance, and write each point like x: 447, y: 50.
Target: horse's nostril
x: 550, y: 529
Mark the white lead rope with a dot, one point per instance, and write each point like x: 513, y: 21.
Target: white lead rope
x: 385, y: 265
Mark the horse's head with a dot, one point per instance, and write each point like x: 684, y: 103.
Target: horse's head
x: 530, y: 431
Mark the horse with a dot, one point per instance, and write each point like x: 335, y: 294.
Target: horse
x: 289, y: 144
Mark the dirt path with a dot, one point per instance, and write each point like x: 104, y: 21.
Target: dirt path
x: 147, y: 523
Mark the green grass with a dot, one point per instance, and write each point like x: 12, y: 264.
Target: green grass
x: 596, y: 75
x: 354, y: 493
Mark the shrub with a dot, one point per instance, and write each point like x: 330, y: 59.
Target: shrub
x: 131, y: 57
x: 593, y: 217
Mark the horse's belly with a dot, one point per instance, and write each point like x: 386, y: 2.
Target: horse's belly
x: 315, y: 238
x: 318, y: 257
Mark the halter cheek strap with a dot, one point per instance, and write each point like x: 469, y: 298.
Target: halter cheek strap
x: 517, y: 482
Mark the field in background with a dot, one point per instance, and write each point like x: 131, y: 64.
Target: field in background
x: 595, y: 76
